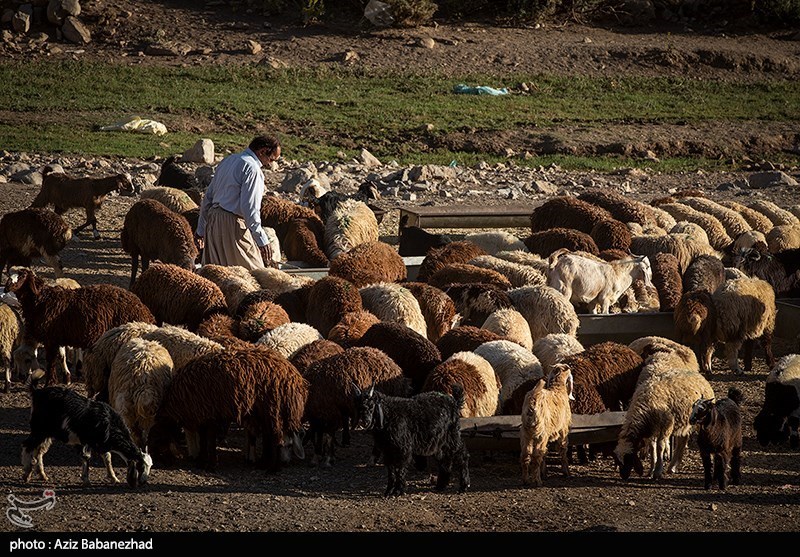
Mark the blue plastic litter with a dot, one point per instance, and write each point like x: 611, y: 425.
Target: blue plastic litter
x: 462, y: 89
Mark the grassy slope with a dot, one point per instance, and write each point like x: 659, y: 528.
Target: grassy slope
x: 320, y: 113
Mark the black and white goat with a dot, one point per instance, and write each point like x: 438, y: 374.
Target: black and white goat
x: 63, y: 414
x: 424, y: 425
x: 720, y: 435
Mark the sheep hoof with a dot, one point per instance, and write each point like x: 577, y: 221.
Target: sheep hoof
x: 96, y: 235
x: 26, y: 477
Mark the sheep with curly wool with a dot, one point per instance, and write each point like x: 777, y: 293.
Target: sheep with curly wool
x: 756, y: 220
x: 650, y: 345
x: 611, y: 234
x: 303, y: 240
x: 393, y: 303
x: 508, y: 323
x: 776, y: 214
x: 747, y: 240
x: 369, y: 263
x: 783, y: 237
x: 438, y: 258
x: 512, y: 364
x: 546, y: 310
x: 464, y: 273
x: 178, y: 296
x: 140, y: 375
x: 780, y: 269
x: 567, y: 212
x: 32, y: 233
x: 660, y: 409
x: 348, y: 223
x: 331, y: 397
x: 219, y: 273
x: 11, y: 331
x: 151, y: 231
x: 492, y: 242
x: 352, y: 327
x: 414, y: 353
x: 706, y: 272
x: 475, y: 302
x: 234, y: 289
x: 717, y: 236
x: 278, y: 213
x: 692, y: 229
x: 259, y: 318
x: 289, y: 338
x: 314, y: 352
x: 437, y: 308
x: 524, y: 258
x: 551, y: 349
x: 734, y: 223
x: 172, y: 198
x: 546, y: 242
x: 546, y: 418
x: 329, y: 299
x: 56, y: 316
x: 295, y: 302
x: 682, y: 246
x: 622, y: 208
x: 475, y: 375
x: 518, y: 275
x: 222, y: 329
x: 279, y: 281
x: 667, y: 280
x: 464, y: 338
x: 613, y: 255
x: 663, y: 219
x: 695, y: 320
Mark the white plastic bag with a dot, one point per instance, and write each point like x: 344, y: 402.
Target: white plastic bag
x: 379, y: 13
x: 138, y: 124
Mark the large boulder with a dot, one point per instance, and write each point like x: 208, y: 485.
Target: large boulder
x: 75, y: 31
x: 59, y: 10
x: 202, y: 152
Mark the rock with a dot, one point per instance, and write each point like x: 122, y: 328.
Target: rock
x: 368, y: 159
x: 636, y: 12
x: 350, y: 56
x: 444, y: 193
x: 253, y: 47
x: 8, y: 15
x: 542, y: 186
x: 3, y: 179
x: 202, y: 151
x: 392, y: 192
x: 587, y: 40
x: 426, y: 42
x: 504, y: 192
x: 509, y: 152
x: 294, y: 179
x: 274, y: 63
x: 75, y: 31
x: 204, y: 175
x: 650, y: 155
x: 7, y: 36
x: 713, y: 507
x: 409, y: 196
x: 428, y: 172
x: 167, y: 49
x: 58, y: 10
x: 30, y: 176
x: 21, y: 22
x: 17, y: 168
x: 39, y: 38
x: 769, y: 179
x: 55, y: 168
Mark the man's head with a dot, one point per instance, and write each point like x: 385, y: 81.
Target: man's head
x: 266, y: 147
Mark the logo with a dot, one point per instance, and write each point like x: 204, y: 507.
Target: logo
x: 17, y: 513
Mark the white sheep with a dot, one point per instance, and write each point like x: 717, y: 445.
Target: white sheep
x: 553, y: 348
x: 516, y: 273
x: 510, y: 324
x: 11, y: 330
x: 783, y: 237
x: 493, y: 242
x: 525, y: 258
x: 663, y: 219
x: 717, y: 236
x: 175, y: 199
x: 395, y: 304
x: 278, y: 281
x: 140, y: 375
x: 347, y: 224
x: 512, y: 364
x: 734, y: 223
x: 646, y: 346
x: 546, y: 418
x: 289, y: 338
x: 774, y: 213
x: 598, y: 284
x: 694, y: 230
x: 747, y: 240
x: 545, y: 309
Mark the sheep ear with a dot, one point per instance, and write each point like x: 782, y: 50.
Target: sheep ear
x: 371, y: 390
x: 356, y: 388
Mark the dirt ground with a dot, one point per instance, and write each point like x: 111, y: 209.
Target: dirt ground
x: 348, y: 496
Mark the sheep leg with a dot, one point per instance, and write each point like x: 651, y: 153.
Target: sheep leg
x: 539, y: 466
x: 92, y: 219
x: 732, y: 355
x: 525, y: 458
x: 7, y: 386
x: 706, y: 351
x: 401, y: 473
x: 51, y: 377
x: 736, y: 466
x: 55, y: 262
x: 653, y: 453
x: 719, y: 471
x: 192, y: 443
x: 390, y: 472
x: 445, y: 469
x: 658, y: 471
x: 134, y: 267
x: 33, y: 450
x: 86, y: 456
x: 461, y: 461
x: 346, y: 432
x: 250, y: 447
x: 62, y: 364
x: 677, y: 453
x: 706, y: 456
x: 766, y: 342
x: 564, y: 460
x: 748, y: 354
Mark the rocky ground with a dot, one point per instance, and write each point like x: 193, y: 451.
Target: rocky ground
x: 347, y: 497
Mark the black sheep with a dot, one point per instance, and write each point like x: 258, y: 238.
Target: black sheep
x: 720, y: 434
x: 780, y: 270
x: 424, y: 425
x: 173, y: 176
x: 416, y: 241
x: 63, y: 414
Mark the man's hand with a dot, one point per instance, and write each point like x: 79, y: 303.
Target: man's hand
x: 266, y: 256
x: 199, y: 241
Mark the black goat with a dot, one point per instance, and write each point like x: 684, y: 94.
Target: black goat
x: 415, y: 241
x: 720, y: 434
x: 63, y: 414
x: 424, y: 425
x: 780, y: 269
x: 779, y: 417
x: 173, y: 176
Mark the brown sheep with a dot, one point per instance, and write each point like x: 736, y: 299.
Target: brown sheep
x: 32, y: 233
x: 352, y: 327
x: 437, y: 308
x: 667, y: 280
x: 369, y: 263
x: 463, y: 273
x: 454, y: 252
x: 546, y: 242
x: 611, y: 235
x: 311, y: 353
x: 223, y: 329
x: 278, y: 213
x: 464, y: 339
x: 613, y: 255
x: 302, y: 242
x: 621, y: 208
x: 695, y: 322
x: 476, y: 302
x: 475, y: 375
x: 567, y: 212
x: 329, y: 299
x: 260, y: 318
x: 295, y: 302
x: 756, y: 221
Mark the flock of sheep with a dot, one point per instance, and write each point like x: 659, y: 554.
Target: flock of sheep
x: 491, y: 320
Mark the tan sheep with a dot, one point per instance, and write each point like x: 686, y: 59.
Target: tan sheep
x: 734, y: 223
x: 774, y: 213
x: 717, y: 236
x: 756, y: 220
x: 510, y: 324
x: 392, y: 303
x: 553, y: 348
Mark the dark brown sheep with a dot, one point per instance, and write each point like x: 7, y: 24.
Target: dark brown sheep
x: 352, y: 327
x: 513, y: 404
x: 329, y: 299
x: 177, y: 296
x: 567, y: 212
x: 663, y: 201
x: 621, y: 208
x: 611, y: 234
x: 667, y: 280
x: 437, y: 308
x: 332, y: 397
x: 369, y: 263
x: 464, y: 273
x: 295, y: 303
x: 415, y: 354
x: 222, y: 329
x: 253, y: 298
x: 546, y: 242
x: 480, y: 398
x: 613, y: 255
x: 476, y: 302
x: 302, y: 242
x: 260, y: 318
x: 454, y: 252
x: 464, y: 339
x: 311, y: 353
x: 56, y: 316
x: 705, y: 272
x: 277, y: 213
x: 152, y: 231
x: 695, y: 322
x: 33, y: 233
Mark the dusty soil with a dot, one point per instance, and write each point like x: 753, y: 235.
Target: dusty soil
x: 347, y: 497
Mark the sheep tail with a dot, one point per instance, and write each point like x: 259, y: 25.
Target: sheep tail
x: 735, y: 395
x: 551, y: 261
